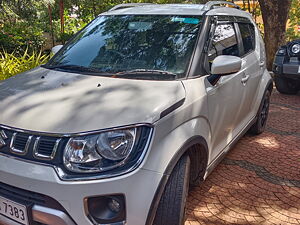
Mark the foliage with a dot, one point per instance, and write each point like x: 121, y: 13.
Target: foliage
x: 21, y: 26
x: 85, y: 9
x: 10, y: 10
x: 14, y: 63
x: 294, y: 22
x: 72, y: 25
x: 16, y: 37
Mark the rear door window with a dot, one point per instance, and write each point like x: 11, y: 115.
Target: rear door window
x: 248, y: 37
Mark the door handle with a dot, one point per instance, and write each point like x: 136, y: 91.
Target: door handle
x: 245, y: 79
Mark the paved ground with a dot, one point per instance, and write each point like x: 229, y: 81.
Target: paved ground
x: 259, y: 181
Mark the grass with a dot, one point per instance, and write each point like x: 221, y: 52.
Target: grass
x: 14, y: 63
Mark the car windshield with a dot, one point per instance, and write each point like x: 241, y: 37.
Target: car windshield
x: 131, y: 46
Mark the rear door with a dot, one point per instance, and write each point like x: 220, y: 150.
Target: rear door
x: 253, y: 66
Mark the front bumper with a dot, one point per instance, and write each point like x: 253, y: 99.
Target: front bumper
x: 288, y: 68
x: 43, y: 215
x: 138, y: 187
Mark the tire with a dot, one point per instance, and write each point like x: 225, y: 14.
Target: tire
x: 198, y: 167
x: 262, y: 115
x: 171, y: 208
x: 286, y: 86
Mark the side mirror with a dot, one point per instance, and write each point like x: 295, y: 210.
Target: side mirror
x: 56, y: 48
x: 224, y: 65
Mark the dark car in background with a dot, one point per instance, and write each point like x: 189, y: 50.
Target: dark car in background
x: 286, y: 68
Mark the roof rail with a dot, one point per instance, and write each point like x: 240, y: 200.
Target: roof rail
x: 211, y: 4
x: 128, y: 5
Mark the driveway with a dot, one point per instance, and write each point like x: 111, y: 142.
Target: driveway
x: 259, y: 180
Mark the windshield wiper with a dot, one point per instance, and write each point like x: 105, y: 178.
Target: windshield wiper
x: 146, y: 71
x: 76, y: 68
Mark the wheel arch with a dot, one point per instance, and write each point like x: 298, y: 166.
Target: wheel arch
x: 270, y: 86
x: 194, y: 146
x: 265, y: 85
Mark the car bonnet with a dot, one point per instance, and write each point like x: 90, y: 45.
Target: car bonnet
x: 51, y: 101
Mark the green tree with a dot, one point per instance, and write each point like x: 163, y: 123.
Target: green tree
x: 294, y: 21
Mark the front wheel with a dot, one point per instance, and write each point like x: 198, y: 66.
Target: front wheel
x: 262, y: 115
x: 171, y: 208
x: 286, y: 86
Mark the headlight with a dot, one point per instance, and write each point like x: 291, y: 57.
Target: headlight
x: 104, y: 151
x: 116, y: 145
x: 281, y: 51
x: 295, y: 48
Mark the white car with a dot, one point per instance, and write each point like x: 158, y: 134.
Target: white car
x: 140, y: 104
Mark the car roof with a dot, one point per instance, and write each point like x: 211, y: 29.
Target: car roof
x: 161, y: 9
x: 177, y: 9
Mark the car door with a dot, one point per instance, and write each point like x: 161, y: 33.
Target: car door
x: 225, y: 99
x: 253, y: 68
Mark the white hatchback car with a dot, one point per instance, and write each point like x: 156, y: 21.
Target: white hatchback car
x: 137, y: 106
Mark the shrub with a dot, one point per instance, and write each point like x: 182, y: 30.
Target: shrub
x: 14, y: 63
x: 16, y: 37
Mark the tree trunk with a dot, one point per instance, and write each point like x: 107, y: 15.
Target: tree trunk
x: 244, y: 5
x: 50, y: 23
x: 249, y: 6
x: 275, y: 16
x: 62, y: 19
x: 254, y: 13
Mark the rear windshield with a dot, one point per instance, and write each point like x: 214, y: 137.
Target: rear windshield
x: 119, y: 43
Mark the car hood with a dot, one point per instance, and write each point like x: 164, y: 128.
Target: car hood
x: 58, y: 102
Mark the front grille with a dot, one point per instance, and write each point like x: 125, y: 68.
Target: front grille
x: 20, y: 142
x: 45, y: 147
x: 30, y: 146
x: 19, y: 194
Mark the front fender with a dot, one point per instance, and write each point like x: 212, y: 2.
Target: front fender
x: 167, y: 148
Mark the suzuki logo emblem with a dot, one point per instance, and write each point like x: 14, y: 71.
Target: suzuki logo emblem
x: 3, y: 136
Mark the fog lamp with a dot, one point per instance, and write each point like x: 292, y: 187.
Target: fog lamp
x: 107, y: 209
x: 114, y: 205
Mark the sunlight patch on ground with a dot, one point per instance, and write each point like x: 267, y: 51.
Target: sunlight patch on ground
x: 268, y: 141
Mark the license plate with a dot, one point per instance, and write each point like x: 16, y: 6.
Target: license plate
x: 14, y: 211
x: 299, y: 69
